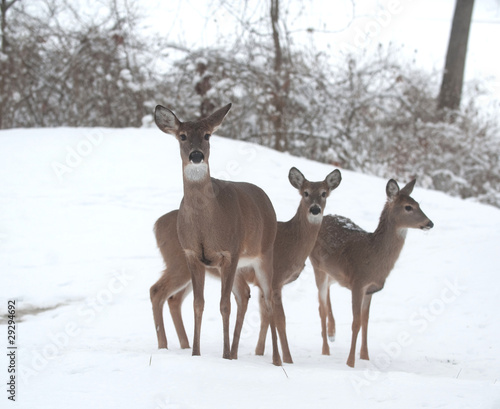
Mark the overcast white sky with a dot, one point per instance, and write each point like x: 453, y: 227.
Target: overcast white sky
x: 421, y: 25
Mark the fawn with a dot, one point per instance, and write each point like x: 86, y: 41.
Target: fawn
x: 361, y: 261
x: 294, y: 241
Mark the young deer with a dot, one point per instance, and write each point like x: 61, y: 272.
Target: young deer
x: 174, y: 284
x: 221, y: 226
x: 361, y: 261
x: 294, y: 241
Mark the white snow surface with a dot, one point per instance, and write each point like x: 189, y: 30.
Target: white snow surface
x: 78, y: 255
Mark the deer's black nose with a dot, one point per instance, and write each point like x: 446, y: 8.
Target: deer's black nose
x: 315, y: 210
x: 196, y: 156
x: 428, y: 226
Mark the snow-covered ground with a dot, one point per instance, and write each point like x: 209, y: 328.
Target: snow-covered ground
x: 78, y: 256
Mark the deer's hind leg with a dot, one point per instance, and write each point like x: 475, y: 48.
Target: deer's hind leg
x: 331, y: 319
x: 323, y: 291
x: 175, y: 307
x: 167, y: 286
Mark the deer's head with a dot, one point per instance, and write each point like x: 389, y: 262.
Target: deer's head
x: 403, y: 209
x: 193, y: 137
x: 314, y: 194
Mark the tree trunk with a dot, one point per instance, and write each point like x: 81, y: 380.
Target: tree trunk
x: 453, y: 77
x: 3, y: 11
x: 278, y: 97
x: 4, y: 6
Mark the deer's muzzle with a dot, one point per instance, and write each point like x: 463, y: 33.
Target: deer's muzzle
x: 196, y: 157
x: 428, y: 226
x: 315, y: 210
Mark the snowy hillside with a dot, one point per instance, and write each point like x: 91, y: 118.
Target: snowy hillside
x: 78, y: 256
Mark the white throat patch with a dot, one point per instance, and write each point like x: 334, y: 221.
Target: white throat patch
x: 315, y: 219
x: 195, y: 172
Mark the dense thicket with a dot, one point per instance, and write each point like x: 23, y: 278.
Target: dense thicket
x: 367, y: 112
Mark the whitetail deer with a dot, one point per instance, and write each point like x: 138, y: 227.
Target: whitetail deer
x: 175, y: 284
x: 294, y: 241
x: 361, y: 261
x: 221, y: 225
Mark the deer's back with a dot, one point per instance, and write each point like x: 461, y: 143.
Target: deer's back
x: 341, y: 243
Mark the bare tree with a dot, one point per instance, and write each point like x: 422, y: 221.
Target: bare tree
x: 4, y: 7
x: 453, y: 77
x: 4, y: 55
x: 262, y: 28
x: 281, y: 80
x: 94, y: 71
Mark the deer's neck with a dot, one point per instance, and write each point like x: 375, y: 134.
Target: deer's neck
x: 388, y: 240
x: 199, y: 192
x: 294, y: 242
x: 304, y: 224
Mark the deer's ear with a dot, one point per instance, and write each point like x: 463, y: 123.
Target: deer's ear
x: 217, y: 117
x: 392, y: 189
x: 333, y: 179
x: 296, y: 178
x: 166, y: 120
x: 408, y: 188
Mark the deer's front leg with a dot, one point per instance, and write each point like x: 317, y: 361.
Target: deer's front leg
x: 365, y: 314
x: 264, y: 325
x: 228, y: 271
x: 280, y: 320
x: 197, y: 271
x: 357, y: 301
x: 242, y: 294
x: 264, y: 274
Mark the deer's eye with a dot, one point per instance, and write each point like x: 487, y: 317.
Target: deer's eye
x: 323, y: 194
x: 207, y: 136
x: 306, y: 194
x: 408, y: 208
x: 183, y: 137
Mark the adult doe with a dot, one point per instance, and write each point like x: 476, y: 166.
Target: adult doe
x: 221, y: 225
x: 361, y: 261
